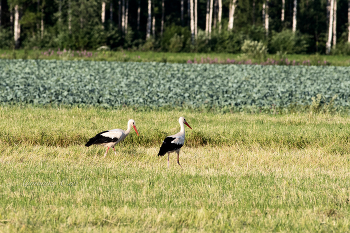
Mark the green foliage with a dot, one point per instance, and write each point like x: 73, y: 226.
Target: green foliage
x: 149, y: 45
x: 319, y: 104
x: 153, y: 85
x: 341, y: 49
x: 176, y: 43
x: 289, y: 42
x: 6, y: 38
x: 254, y: 49
x: 226, y: 41
x: 181, y: 34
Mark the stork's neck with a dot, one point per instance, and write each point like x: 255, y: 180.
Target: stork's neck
x: 128, y: 130
x: 182, y: 128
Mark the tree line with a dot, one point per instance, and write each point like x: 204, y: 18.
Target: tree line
x: 289, y: 26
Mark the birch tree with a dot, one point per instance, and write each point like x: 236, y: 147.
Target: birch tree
x: 192, y: 21
x: 267, y: 18
x: 119, y: 14
x: 111, y: 12
x: 263, y: 14
x: 207, y: 18
x: 69, y: 16
x: 189, y: 13
x: 162, y: 23
x: 195, y: 18
x: 220, y: 13
x: 126, y: 16
x: 210, y: 18
x: 149, y: 21
x: 215, y: 13
x: 231, y: 16
x: 138, y: 15
x: 330, y: 28
x: 349, y: 21
x: 295, y: 16
x: 17, y: 27
x: 0, y: 11
x: 42, y: 21
x: 103, y: 13
x: 335, y: 24
x: 283, y: 6
x: 182, y: 13
x: 123, y: 16
x: 153, y: 22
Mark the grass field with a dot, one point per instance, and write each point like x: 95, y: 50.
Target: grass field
x: 129, y: 56
x: 241, y: 172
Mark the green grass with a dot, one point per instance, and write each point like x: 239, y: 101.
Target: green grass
x: 250, y: 176
x: 126, y: 56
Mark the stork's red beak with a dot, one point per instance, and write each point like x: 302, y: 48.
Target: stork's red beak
x: 135, y: 130
x: 188, y: 125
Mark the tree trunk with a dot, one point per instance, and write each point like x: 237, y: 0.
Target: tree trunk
x: 335, y: 24
x: 154, y: 26
x: 60, y: 12
x: 0, y: 11
x: 267, y: 18
x: 138, y: 16
x: 349, y: 21
x: 189, y: 13
x: 126, y: 16
x: 295, y: 16
x: 283, y: 6
x: 37, y: 11
x: 111, y: 12
x: 182, y: 13
x: 69, y: 17
x: 42, y: 22
x: 192, y: 21
x: 220, y: 14
x: 195, y: 18
x: 162, y: 23
x: 263, y: 14
x: 330, y: 28
x: 119, y: 15
x: 231, y: 16
x: 215, y: 15
x: 207, y: 18
x: 123, y: 16
x: 149, y: 21
x: 11, y: 17
x: 103, y: 13
x: 253, y: 12
x: 153, y: 22
x: 17, y: 27
x: 210, y: 17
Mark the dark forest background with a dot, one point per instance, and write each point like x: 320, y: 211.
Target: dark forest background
x: 45, y: 24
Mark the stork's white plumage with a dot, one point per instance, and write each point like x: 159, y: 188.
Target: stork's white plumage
x: 112, y: 137
x: 174, y: 142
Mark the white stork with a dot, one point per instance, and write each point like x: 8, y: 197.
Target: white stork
x: 174, y: 142
x: 112, y: 137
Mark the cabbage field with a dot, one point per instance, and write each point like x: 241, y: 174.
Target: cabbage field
x: 112, y: 84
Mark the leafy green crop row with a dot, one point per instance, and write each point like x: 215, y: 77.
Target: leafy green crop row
x: 114, y: 84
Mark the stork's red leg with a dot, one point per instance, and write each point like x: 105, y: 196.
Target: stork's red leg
x: 114, y: 151
x: 106, y: 151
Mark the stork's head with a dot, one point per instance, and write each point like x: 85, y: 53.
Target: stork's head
x: 131, y: 122
x: 182, y: 120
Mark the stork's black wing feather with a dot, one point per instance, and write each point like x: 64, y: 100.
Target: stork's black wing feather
x: 167, y: 146
x: 100, y: 139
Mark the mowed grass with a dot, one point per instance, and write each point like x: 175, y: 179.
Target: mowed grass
x: 257, y: 180
x: 150, y: 56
